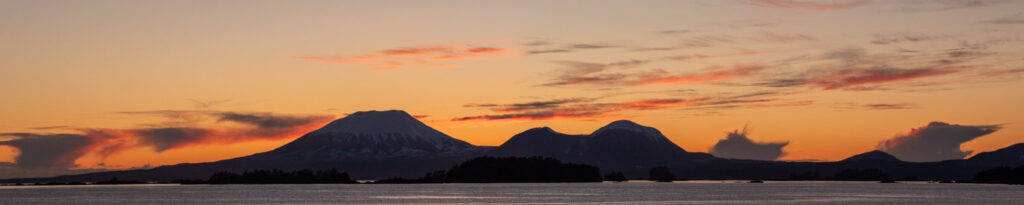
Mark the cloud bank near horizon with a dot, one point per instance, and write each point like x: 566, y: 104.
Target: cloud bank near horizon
x: 936, y: 141
x: 737, y: 145
x: 59, y: 151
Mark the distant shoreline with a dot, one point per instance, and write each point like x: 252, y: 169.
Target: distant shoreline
x: 370, y: 182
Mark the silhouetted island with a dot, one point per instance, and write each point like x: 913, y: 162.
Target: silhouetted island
x: 1000, y: 175
x: 489, y: 169
x: 432, y: 177
x: 277, y: 176
x: 115, y: 180
x: 615, y: 177
x: 662, y: 174
x: 862, y: 175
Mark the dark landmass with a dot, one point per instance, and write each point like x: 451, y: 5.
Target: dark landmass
x: 662, y: 174
x: 115, y: 180
x: 615, y: 177
x: 521, y: 169
x: 621, y: 145
x: 861, y: 175
x: 488, y: 169
x: 277, y: 176
x: 382, y: 144
x: 1000, y: 175
x: 435, y: 177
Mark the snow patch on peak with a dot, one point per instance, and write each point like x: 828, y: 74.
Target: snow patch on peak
x: 383, y: 123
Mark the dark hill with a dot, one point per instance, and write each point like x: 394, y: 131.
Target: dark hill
x: 619, y: 146
x: 873, y: 156
x: 1009, y: 156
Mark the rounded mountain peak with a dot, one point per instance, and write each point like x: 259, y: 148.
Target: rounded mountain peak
x: 876, y: 155
x: 386, y: 114
x: 623, y: 125
x: 540, y: 130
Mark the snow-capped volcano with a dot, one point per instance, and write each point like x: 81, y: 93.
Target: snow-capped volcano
x: 381, y: 125
x: 375, y: 134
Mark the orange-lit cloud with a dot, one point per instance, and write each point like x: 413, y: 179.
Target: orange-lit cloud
x: 809, y: 5
x: 61, y: 150
x: 426, y: 56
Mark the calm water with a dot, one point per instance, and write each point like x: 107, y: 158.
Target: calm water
x: 707, y: 192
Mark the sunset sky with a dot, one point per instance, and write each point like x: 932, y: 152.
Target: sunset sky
x: 90, y: 85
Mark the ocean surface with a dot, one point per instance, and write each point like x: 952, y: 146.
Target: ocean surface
x: 690, y: 192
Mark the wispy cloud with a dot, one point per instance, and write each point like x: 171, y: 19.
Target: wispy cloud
x: 658, y: 76
x: 808, y: 5
x: 940, y: 5
x: 903, y: 38
x: 713, y: 74
x: 594, y: 108
x: 1014, y: 19
x: 569, y: 108
x: 425, y: 56
x: 57, y: 127
x: 876, y: 106
x: 849, y: 78
x: 548, y: 48
x: 856, y: 70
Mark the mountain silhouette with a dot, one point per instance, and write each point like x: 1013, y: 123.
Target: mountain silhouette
x: 372, y: 144
x: 1010, y: 156
x: 375, y: 135
x: 619, y: 146
x: 876, y: 155
x: 385, y: 144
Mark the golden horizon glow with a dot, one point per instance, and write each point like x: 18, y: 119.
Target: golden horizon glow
x: 832, y: 78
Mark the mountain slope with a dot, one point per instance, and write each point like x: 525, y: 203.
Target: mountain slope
x: 1009, y: 156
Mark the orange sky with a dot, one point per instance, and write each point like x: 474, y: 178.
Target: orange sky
x: 833, y: 78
